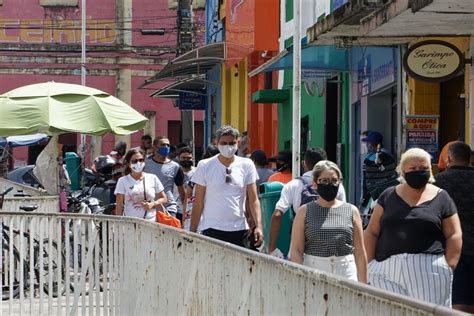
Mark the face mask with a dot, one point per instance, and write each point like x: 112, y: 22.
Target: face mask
x: 227, y: 150
x: 328, y: 191
x: 417, y: 179
x: 186, y: 164
x: 137, y: 167
x: 163, y: 151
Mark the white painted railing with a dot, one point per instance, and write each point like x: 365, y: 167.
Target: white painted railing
x: 62, y: 264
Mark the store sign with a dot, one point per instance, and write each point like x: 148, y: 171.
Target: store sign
x: 422, y: 132
x: 433, y: 61
x: 191, y: 101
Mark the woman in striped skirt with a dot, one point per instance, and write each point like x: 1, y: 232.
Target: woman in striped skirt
x: 413, y: 240
x: 327, y: 233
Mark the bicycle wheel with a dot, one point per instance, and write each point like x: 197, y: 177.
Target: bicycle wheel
x: 6, y: 268
x: 65, y: 271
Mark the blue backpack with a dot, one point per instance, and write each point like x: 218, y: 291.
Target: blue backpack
x: 308, y: 194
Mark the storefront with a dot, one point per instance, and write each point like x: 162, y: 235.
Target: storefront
x: 438, y: 81
x: 375, y: 104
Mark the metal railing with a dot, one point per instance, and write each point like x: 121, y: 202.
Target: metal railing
x: 69, y: 264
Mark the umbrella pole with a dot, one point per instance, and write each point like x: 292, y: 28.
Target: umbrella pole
x: 83, y: 81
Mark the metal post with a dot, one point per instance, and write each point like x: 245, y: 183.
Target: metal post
x: 83, y: 75
x: 296, y: 135
x: 185, y: 30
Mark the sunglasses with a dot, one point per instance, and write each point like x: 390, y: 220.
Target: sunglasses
x: 326, y: 181
x: 137, y: 160
x: 228, y: 177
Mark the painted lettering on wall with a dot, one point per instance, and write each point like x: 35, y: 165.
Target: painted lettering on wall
x: 433, y: 61
x: 67, y: 31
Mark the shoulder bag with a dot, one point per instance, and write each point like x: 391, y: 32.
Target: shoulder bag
x: 165, y: 218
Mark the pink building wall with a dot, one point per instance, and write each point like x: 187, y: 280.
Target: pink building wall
x: 27, y: 24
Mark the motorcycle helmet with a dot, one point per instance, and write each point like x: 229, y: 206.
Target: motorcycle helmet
x: 104, y: 165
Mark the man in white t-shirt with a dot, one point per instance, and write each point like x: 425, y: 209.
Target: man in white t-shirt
x: 291, y: 193
x: 223, y: 183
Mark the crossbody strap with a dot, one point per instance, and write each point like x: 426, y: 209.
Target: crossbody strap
x: 144, y: 195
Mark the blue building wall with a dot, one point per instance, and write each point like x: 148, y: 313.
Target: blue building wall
x: 214, y: 34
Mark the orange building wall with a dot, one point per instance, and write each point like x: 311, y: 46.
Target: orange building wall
x: 262, y: 118
x: 253, y: 27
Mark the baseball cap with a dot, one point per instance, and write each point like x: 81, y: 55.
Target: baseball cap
x: 373, y: 137
x: 259, y: 157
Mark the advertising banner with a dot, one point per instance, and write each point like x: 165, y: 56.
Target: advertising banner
x: 422, y: 132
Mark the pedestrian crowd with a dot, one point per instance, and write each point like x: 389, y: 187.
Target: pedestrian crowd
x: 417, y: 238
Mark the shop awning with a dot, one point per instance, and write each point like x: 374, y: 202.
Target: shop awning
x: 326, y: 59
x: 194, y: 85
x: 194, y: 63
x: 395, y: 22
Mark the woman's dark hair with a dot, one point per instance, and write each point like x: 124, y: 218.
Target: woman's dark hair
x: 211, y: 151
x: 128, y: 157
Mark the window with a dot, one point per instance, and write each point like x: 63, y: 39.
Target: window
x: 58, y: 3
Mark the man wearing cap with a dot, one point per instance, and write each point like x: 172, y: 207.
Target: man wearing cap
x: 379, y: 169
x: 260, y: 160
x: 283, y: 166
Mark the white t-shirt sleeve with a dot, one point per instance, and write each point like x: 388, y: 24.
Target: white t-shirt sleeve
x: 199, y: 174
x: 286, y: 199
x: 252, y: 175
x: 120, y: 188
x: 341, y: 194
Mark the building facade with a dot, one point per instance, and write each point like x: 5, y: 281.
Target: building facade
x: 40, y: 41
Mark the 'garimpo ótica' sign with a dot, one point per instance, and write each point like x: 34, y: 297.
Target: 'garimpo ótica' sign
x: 433, y: 61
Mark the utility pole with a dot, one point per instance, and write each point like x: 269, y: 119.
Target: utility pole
x: 185, y: 44
x: 296, y: 134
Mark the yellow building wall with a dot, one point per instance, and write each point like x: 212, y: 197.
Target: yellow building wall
x: 425, y: 96
x: 234, y: 95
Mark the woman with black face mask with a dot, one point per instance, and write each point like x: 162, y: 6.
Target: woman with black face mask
x: 327, y: 233
x: 413, y: 240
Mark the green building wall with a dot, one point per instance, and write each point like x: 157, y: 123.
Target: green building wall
x: 314, y: 108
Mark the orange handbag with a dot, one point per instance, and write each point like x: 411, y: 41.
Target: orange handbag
x: 165, y: 218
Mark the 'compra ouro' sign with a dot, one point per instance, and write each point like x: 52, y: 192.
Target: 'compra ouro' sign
x: 433, y: 61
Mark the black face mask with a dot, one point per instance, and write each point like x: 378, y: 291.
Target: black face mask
x: 186, y: 164
x: 417, y: 179
x: 328, y: 191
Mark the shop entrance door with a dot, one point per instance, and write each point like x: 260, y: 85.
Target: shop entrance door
x: 452, y: 110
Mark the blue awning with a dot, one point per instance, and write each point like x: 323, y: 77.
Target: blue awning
x: 326, y: 58
x: 23, y: 140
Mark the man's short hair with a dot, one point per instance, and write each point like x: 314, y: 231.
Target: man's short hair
x: 460, y: 151
x: 314, y: 155
x: 185, y: 150
x: 260, y: 157
x: 158, y: 139
x: 227, y: 130
x: 146, y: 137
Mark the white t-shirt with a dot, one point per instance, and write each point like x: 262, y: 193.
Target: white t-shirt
x: 133, y: 194
x: 224, y: 203
x: 291, y: 194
